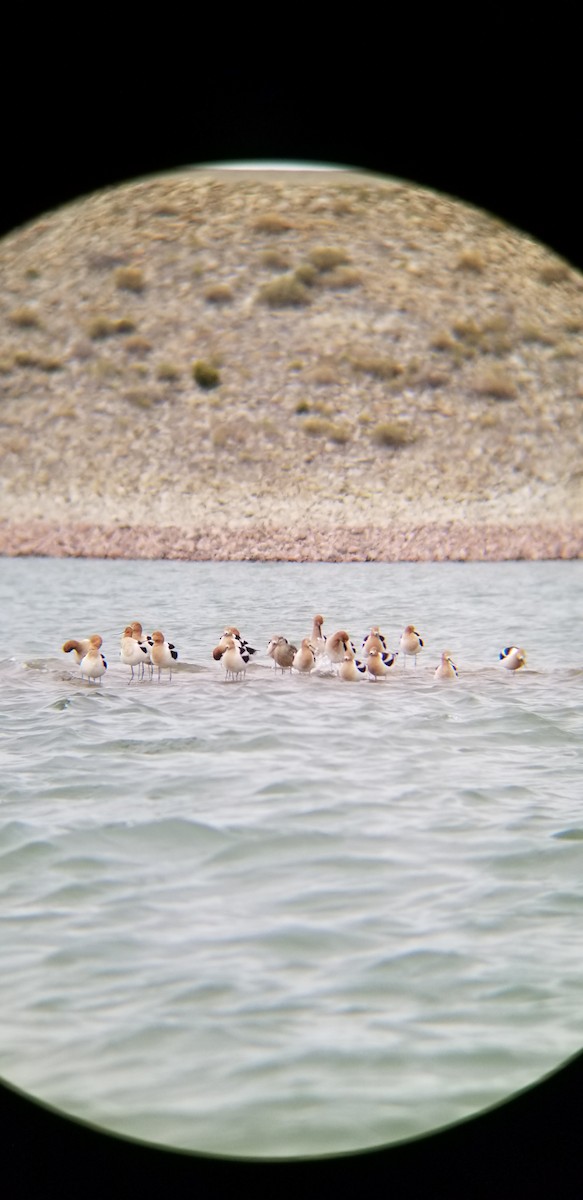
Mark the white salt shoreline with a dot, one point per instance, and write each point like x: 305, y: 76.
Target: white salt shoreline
x: 453, y: 541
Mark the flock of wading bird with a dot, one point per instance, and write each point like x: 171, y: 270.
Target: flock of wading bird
x: 145, y: 653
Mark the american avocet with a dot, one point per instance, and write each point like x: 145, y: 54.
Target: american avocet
x: 410, y: 643
x: 133, y: 653
x: 144, y: 639
x: 234, y: 662
x: 378, y: 665
x: 304, y: 659
x: 246, y: 650
x: 139, y: 635
x: 375, y: 640
x: 513, y: 657
x: 317, y: 637
x: 447, y: 668
x: 337, y: 645
x: 351, y: 668
x: 162, y: 653
x: 80, y: 646
x: 282, y: 652
x: 93, y: 664
x: 232, y: 634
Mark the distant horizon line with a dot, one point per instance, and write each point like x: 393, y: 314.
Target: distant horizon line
x: 274, y: 164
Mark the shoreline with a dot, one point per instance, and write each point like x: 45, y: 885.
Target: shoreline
x: 429, y: 542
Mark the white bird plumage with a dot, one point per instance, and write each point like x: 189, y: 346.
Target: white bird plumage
x: 513, y: 657
x: 410, y: 644
x: 163, y: 653
x: 447, y: 668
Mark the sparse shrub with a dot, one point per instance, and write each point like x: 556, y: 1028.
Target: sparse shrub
x: 533, y: 333
x: 565, y: 350
x: 274, y: 260
x: 325, y: 258
x: 573, y: 325
x: 302, y: 407
x: 392, y: 433
x: 342, y: 208
x: 306, y: 273
x: 205, y: 375
x: 333, y: 431
x: 442, y: 342
x: 103, y: 261
x: 380, y: 367
x: 323, y: 408
x: 218, y: 293
x: 124, y: 325
x: 103, y: 327
x: 557, y: 272
x: 137, y: 345
x: 6, y: 364
x: 491, y: 337
x: 429, y: 378
x: 167, y: 372
x: 43, y: 362
x: 323, y: 374
x: 496, y: 384
x: 284, y: 292
x: 104, y: 369
x: 24, y: 318
x: 272, y: 222
x: 472, y: 261
x: 342, y: 277
x: 141, y: 397
x: 466, y: 330
x: 130, y: 279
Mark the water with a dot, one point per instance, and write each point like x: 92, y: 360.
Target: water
x: 289, y: 916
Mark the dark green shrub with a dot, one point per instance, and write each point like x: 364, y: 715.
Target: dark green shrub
x: 205, y: 375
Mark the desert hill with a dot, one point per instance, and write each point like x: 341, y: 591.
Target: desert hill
x: 287, y: 364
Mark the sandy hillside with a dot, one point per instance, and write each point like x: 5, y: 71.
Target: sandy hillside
x: 310, y: 364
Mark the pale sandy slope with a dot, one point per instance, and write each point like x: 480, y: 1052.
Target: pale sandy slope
x: 422, y: 396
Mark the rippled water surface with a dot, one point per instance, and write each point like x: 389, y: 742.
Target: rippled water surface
x: 289, y: 916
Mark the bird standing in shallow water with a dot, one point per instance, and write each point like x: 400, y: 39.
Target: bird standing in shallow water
x: 145, y: 640
x: 410, y: 643
x: 245, y: 649
x: 282, y: 652
x: 163, y: 654
x: 93, y: 664
x: 377, y: 665
x: 317, y: 637
x: 351, y: 668
x: 234, y: 662
x: 337, y: 645
x: 447, y: 668
x: 513, y: 657
x: 133, y: 653
x: 304, y: 659
x: 80, y: 646
x: 375, y: 640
